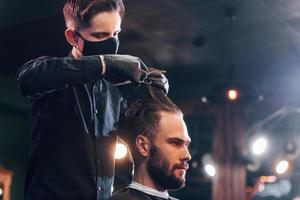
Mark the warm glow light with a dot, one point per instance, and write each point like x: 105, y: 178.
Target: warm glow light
x: 282, y: 167
x: 210, y: 170
x: 232, y: 94
x: 121, y: 151
x: 268, y: 179
x: 259, y: 146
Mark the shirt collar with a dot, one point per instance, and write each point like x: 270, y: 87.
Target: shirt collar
x: 149, y: 190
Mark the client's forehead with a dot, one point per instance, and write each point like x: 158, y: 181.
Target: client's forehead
x: 172, y: 125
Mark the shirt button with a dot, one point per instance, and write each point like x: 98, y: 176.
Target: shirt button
x: 98, y: 188
x: 96, y: 111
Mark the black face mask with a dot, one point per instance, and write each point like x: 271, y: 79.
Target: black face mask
x: 108, y: 46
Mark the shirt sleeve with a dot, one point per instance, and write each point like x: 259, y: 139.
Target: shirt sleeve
x: 47, y: 74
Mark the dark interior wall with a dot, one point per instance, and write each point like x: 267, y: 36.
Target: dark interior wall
x: 14, y: 138
x: 15, y: 12
x: 14, y: 134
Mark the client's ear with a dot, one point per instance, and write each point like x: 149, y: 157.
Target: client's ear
x: 142, y: 144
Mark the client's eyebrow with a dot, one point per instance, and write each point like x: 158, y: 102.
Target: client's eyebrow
x: 178, y: 141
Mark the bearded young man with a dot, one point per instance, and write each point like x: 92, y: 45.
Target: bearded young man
x: 75, y: 105
x: 158, y: 140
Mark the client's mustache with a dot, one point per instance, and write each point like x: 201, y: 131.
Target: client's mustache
x: 184, y: 165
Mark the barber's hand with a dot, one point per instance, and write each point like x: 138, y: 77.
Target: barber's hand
x: 128, y: 67
x: 157, y: 79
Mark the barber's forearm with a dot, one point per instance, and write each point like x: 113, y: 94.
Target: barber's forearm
x: 44, y: 75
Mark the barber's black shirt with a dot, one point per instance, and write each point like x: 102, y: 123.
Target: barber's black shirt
x: 73, y: 112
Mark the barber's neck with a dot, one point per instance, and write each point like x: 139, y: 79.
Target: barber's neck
x: 142, y: 176
x: 76, y: 53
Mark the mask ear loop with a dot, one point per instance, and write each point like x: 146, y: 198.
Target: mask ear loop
x: 79, y: 35
x: 76, y: 35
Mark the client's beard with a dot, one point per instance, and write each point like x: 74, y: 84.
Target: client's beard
x: 158, y: 169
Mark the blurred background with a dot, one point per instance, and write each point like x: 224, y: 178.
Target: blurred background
x: 233, y: 68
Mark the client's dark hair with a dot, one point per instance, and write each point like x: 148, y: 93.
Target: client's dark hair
x: 142, y: 116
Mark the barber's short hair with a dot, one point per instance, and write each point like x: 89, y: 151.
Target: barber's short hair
x: 142, y: 117
x: 78, y: 13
